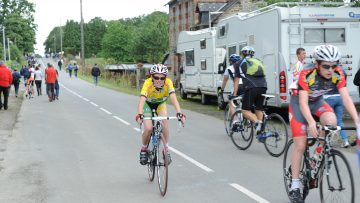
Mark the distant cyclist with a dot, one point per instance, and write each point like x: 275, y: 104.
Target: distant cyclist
x: 230, y: 73
x: 251, y: 71
x: 154, y: 94
x: 324, y: 76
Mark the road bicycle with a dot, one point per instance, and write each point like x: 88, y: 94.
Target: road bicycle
x: 273, y: 132
x: 331, y: 172
x: 158, y: 160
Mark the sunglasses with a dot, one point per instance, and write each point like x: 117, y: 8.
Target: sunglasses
x: 327, y: 67
x: 158, y: 78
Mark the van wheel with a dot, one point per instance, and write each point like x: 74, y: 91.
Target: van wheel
x: 183, y: 95
x: 204, y: 99
x: 221, y: 102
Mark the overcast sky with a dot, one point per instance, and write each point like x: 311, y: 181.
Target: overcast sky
x: 52, y: 13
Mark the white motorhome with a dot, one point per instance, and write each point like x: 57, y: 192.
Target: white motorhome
x: 276, y: 32
x: 200, y: 73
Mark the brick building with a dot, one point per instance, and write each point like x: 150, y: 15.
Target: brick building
x: 194, y: 15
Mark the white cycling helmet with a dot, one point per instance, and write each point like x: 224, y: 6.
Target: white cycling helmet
x: 159, y: 68
x: 248, y: 51
x: 327, y: 53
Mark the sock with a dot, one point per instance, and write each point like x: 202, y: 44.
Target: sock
x: 295, y: 184
x: 144, y: 147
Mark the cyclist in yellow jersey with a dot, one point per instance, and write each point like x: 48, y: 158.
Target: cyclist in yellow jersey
x: 154, y: 93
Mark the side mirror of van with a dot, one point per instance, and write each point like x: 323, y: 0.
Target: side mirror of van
x: 221, y: 68
x: 181, y: 70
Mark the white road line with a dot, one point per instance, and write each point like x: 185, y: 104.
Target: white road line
x: 85, y: 99
x: 94, y: 104
x: 137, y: 129
x: 121, y: 120
x: 198, y: 164
x: 106, y: 111
x: 247, y: 192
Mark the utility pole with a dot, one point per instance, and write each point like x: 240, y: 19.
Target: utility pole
x: 82, y: 39
x: 61, y: 40
x: 3, y: 28
x: 8, y: 42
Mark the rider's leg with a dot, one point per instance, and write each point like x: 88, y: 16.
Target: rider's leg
x: 147, y: 131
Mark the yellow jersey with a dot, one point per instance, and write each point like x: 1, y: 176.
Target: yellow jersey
x: 157, y: 95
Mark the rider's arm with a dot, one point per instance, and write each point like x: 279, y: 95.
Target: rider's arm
x: 175, y: 102
x: 141, y: 104
x: 225, y: 79
x: 305, y: 110
x: 349, y: 105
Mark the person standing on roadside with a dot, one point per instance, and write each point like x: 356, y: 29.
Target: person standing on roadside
x: 95, y: 72
x: 76, y: 68
x: 38, y: 80
x: 70, y: 69
x: 16, y: 81
x: 299, y: 66
x: 50, y: 78
x: 5, y: 83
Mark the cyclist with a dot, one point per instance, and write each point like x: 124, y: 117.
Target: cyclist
x: 323, y: 76
x: 251, y: 70
x: 154, y: 94
x: 229, y: 72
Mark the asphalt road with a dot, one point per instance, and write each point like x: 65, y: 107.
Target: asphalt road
x: 84, y: 147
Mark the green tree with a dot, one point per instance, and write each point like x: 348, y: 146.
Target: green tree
x: 93, y: 33
x: 71, y: 37
x: 53, y: 41
x: 152, y: 39
x: 117, y: 42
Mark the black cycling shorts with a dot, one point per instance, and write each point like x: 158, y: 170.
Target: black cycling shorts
x: 253, y: 97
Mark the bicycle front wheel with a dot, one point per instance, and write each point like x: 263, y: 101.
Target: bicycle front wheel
x: 276, y: 129
x: 227, y: 118
x: 162, y: 166
x: 151, y: 161
x: 287, y: 171
x: 242, y: 132
x: 337, y: 182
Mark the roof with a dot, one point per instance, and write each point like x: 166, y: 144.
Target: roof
x: 209, y: 7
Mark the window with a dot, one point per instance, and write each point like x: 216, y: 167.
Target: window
x: 222, y: 31
x: 324, y: 35
x: 189, y: 55
x: 203, y: 64
x: 231, y: 50
x: 203, y: 43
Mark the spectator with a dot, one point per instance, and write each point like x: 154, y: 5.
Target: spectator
x: 57, y: 87
x: 70, y: 68
x: 75, y: 67
x: 25, y: 73
x: 95, y: 72
x: 60, y: 63
x: 50, y: 78
x: 5, y: 83
x: 16, y: 81
x: 38, y: 80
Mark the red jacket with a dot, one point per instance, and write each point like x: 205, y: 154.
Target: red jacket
x: 5, y: 76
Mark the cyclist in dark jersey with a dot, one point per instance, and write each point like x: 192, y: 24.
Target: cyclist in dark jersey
x: 324, y: 76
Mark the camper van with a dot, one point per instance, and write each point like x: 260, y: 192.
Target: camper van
x: 199, y: 69
x: 276, y: 32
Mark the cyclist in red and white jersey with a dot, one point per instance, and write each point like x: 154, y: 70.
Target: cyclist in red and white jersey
x: 314, y: 82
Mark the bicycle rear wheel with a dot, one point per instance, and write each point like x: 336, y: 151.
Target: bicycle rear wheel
x: 287, y: 171
x: 162, y: 166
x: 151, y: 161
x: 337, y: 184
x: 227, y: 118
x: 276, y: 142
x: 242, y: 133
